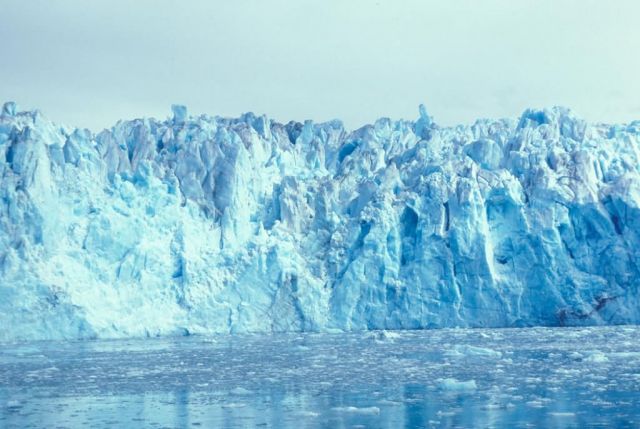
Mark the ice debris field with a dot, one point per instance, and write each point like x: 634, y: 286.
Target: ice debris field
x: 200, y: 224
x: 561, y: 378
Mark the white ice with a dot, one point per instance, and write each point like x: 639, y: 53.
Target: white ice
x: 200, y: 224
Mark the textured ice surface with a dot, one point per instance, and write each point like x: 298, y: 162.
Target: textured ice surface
x: 320, y: 380
x: 201, y: 224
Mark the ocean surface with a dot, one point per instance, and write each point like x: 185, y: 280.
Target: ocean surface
x: 489, y: 378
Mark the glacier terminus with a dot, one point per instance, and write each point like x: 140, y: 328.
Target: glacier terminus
x: 201, y: 225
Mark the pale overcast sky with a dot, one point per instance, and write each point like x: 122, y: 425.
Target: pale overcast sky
x: 89, y: 63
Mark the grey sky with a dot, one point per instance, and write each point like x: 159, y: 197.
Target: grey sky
x: 89, y: 63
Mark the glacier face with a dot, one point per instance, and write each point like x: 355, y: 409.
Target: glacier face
x: 208, y: 224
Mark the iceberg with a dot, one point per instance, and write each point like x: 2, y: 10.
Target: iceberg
x: 201, y: 224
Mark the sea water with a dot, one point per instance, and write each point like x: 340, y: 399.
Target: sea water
x: 502, y: 378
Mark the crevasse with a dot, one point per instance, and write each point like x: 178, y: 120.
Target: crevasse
x: 208, y: 224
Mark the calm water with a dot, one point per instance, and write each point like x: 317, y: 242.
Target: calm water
x: 552, y: 378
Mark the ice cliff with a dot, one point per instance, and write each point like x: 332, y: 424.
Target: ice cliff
x: 201, y: 224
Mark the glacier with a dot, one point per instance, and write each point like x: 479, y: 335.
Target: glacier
x: 201, y: 224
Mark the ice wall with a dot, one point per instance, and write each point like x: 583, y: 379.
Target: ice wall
x: 202, y: 224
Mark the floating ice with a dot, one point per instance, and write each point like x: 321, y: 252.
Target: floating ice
x: 596, y: 356
x: 201, y: 224
x: 357, y: 410
x: 562, y: 415
x: 451, y: 384
x: 460, y: 351
x: 240, y: 391
x: 382, y: 336
x: 180, y: 381
x: 13, y: 403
